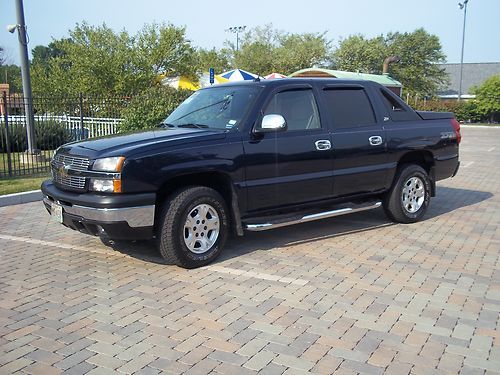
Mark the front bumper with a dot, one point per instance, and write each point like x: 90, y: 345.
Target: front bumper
x: 120, y: 217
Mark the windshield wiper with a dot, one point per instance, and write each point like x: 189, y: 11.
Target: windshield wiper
x: 196, y: 126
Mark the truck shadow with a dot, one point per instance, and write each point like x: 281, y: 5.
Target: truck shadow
x: 447, y: 200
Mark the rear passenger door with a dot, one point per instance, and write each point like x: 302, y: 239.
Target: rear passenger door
x: 358, y: 140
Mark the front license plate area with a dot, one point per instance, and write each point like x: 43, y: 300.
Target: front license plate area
x: 57, y: 213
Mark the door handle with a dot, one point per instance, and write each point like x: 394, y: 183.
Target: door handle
x: 375, y: 140
x: 323, y: 144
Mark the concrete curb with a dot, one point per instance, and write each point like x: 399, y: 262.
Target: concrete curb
x: 20, y: 198
x: 480, y: 126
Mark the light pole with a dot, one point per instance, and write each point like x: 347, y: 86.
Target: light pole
x: 237, y: 30
x: 464, y: 7
x: 25, y: 73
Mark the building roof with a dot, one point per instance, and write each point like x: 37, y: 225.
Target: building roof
x: 474, y: 74
x: 383, y: 79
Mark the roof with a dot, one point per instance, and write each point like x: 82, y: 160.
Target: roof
x: 474, y: 74
x: 293, y: 80
x: 383, y: 79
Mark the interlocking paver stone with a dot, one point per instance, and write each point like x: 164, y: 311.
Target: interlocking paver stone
x: 354, y: 294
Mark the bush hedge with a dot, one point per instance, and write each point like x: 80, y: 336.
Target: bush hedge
x: 148, y: 109
x: 465, y: 111
x: 48, y: 136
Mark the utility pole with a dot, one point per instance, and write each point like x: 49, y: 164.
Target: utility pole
x: 464, y: 7
x: 25, y: 73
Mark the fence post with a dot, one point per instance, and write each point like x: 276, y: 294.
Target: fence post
x: 7, y: 135
x: 82, y: 134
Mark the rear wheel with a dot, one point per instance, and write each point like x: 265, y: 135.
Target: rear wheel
x: 409, y: 197
x: 193, y: 227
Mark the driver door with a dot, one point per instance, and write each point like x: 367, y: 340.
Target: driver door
x: 294, y: 165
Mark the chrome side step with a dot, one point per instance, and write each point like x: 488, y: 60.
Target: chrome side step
x: 312, y: 217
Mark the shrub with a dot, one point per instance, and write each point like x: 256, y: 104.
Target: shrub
x: 48, y: 136
x: 465, y: 111
x: 149, y: 108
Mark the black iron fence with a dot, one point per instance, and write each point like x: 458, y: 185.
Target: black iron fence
x: 56, y: 121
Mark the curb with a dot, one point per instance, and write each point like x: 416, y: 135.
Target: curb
x: 20, y: 198
x: 481, y: 126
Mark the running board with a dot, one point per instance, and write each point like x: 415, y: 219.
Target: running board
x: 311, y: 217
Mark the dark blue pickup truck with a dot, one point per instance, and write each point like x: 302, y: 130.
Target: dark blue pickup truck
x: 255, y: 156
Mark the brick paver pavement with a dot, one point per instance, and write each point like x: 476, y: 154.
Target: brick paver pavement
x: 355, y: 294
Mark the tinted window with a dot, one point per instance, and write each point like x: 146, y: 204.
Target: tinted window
x: 215, y: 107
x: 349, y: 108
x: 397, y: 110
x: 298, y: 107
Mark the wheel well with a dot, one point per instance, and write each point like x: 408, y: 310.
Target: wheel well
x: 426, y: 160
x: 214, y: 180
x: 422, y: 158
x: 217, y: 181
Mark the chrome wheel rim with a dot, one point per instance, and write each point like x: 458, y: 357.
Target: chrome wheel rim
x: 201, y: 228
x: 413, y: 194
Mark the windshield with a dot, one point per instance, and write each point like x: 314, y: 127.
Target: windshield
x: 218, y: 107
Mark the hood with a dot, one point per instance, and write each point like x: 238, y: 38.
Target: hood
x: 122, y: 144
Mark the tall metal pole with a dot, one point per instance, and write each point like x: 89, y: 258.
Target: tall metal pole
x: 237, y: 30
x: 464, y: 7
x: 25, y: 72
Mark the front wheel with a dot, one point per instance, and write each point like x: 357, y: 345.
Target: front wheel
x: 409, y: 197
x: 193, y: 227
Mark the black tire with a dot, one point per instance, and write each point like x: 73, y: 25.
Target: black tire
x: 408, y: 175
x: 171, y: 230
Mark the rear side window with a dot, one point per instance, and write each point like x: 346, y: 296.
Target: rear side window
x: 397, y: 110
x: 349, y: 107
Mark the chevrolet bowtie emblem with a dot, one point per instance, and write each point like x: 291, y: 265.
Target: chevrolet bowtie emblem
x: 63, y: 170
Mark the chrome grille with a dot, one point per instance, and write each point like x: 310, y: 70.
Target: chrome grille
x: 65, y: 181
x: 78, y: 163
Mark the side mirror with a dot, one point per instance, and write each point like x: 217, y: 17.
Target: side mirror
x: 272, y: 123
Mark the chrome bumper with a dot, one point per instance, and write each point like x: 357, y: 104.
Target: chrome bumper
x: 142, y: 216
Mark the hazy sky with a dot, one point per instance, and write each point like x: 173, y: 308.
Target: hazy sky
x: 207, y: 20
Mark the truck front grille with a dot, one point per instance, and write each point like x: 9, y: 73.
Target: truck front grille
x: 61, y: 179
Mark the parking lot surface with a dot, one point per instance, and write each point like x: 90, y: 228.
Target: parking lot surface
x: 353, y: 294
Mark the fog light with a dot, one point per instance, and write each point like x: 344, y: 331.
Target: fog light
x: 105, y: 186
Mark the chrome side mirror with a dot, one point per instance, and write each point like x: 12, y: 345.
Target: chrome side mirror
x: 272, y: 123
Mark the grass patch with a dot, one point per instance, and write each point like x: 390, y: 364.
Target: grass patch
x: 18, y: 185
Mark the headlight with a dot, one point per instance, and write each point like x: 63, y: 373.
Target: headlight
x: 114, y: 164
x: 107, y: 184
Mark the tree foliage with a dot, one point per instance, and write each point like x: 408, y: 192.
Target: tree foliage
x: 98, y: 61
x: 488, y: 97
x: 150, y: 107
x: 419, y: 52
x: 265, y: 50
x: 213, y: 58
x: 11, y: 74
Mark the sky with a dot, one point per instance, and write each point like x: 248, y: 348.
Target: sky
x: 206, y: 21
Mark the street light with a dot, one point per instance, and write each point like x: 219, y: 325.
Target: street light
x: 464, y: 7
x: 236, y: 30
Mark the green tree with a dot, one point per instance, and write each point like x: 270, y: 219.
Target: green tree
x: 265, y: 50
x: 11, y: 74
x: 419, y: 52
x: 358, y: 54
x: 488, y: 97
x: 213, y: 58
x: 98, y: 61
